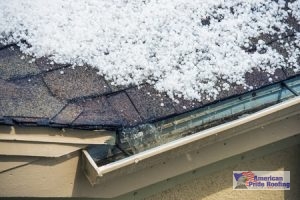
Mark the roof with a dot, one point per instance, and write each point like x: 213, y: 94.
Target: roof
x: 33, y: 92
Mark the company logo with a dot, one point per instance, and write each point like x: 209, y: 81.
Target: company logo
x: 261, y: 180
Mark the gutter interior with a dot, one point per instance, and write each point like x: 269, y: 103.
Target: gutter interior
x: 143, y: 137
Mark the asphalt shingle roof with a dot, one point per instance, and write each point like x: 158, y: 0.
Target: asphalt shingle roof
x: 37, y: 93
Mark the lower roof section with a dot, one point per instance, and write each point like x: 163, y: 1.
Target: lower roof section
x: 55, y: 135
x: 49, y: 142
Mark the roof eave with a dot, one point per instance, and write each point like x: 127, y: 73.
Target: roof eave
x: 197, y: 150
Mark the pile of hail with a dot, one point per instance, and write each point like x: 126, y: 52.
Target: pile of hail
x: 181, y: 47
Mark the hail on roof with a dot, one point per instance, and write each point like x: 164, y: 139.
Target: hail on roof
x: 182, y: 47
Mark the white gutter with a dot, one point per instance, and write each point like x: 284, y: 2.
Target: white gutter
x: 194, y: 151
x: 192, y: 138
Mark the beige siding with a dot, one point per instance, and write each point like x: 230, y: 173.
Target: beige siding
x: 218, y: 185
x: 13, y: 148
x: 63, y: 177
x: 48, y: 177
x: 11, y: 162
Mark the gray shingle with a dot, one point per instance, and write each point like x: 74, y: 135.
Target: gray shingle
x: 12, y: 66
x: 123, y: 106
x: 258, y: 78
x: 97, y: 112
x: 76, y: 83
x: 67, y: 115
x: 44, y: 64
x: 28, y: 98
x: 151, y: 104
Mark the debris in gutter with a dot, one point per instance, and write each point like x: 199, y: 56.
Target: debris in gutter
x: 140, y: 138
x: 143, y: 137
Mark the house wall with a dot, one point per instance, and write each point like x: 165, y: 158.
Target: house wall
x: 63, y: 177
x: 218, y: 185
x: 42, y: 177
